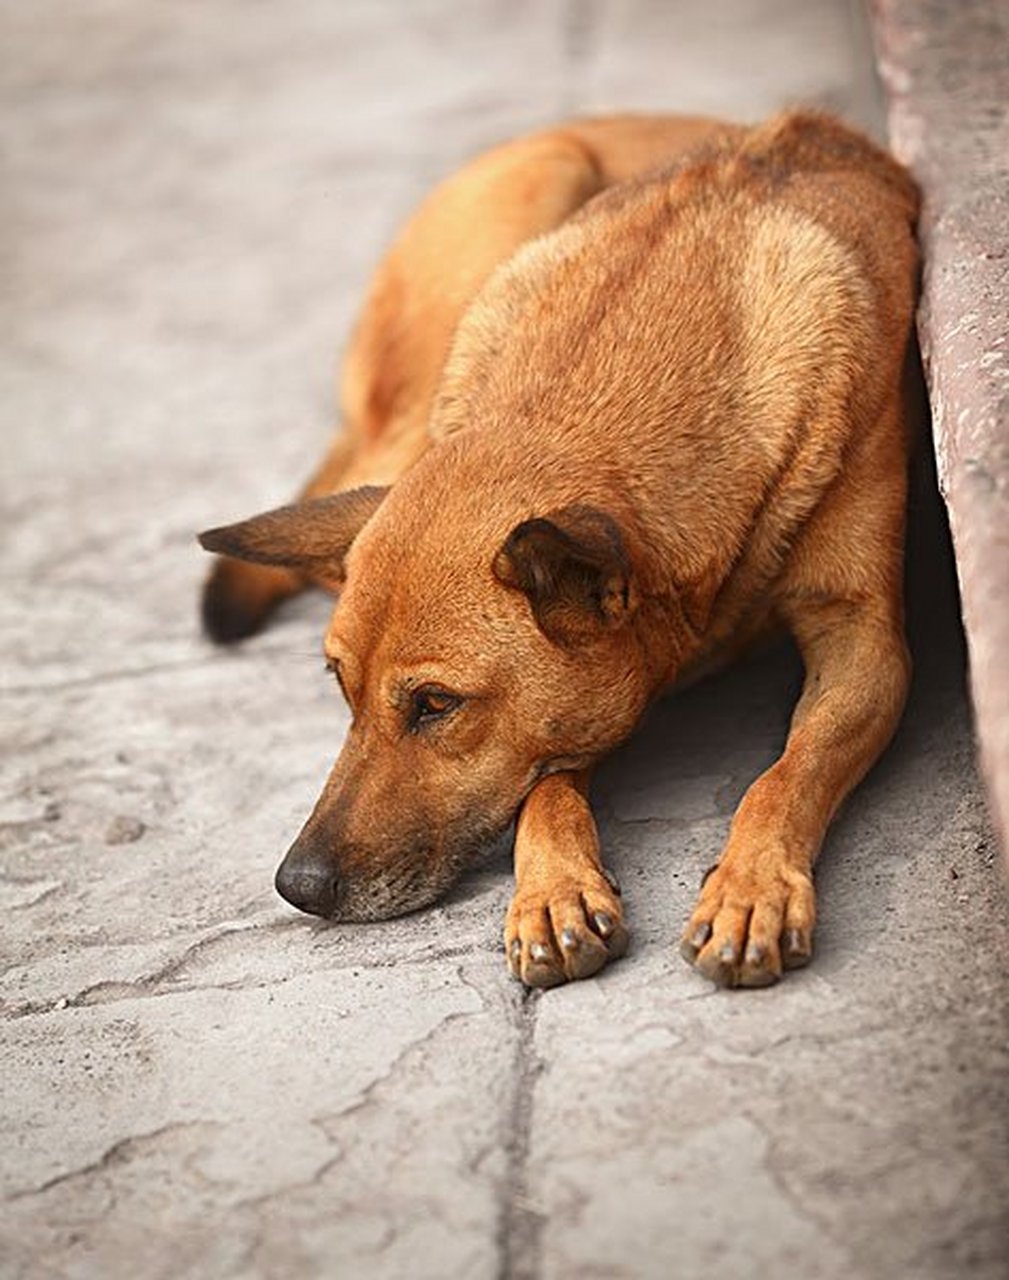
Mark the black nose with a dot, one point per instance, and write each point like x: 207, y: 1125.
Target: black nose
x: 307, y: 880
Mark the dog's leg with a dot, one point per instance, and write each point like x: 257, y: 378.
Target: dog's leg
x: 756, y: 911
x: 565, y: 920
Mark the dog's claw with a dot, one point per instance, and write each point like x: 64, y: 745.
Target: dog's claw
x: 539, y: 953
x: 796, y: 949
x: 603, y: 923
x: 695, y: 942
x: 612, y: 881
x: 569, y: 940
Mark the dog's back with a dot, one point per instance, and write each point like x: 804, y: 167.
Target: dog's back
x: 742, y: 313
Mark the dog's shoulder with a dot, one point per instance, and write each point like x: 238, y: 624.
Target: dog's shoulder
x: 783, y: 251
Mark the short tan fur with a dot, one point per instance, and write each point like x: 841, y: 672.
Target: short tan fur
x: 625, y: 395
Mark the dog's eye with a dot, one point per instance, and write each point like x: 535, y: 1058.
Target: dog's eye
x: 429, y: 704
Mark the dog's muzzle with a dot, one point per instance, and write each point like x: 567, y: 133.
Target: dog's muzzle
x: 340, y: 880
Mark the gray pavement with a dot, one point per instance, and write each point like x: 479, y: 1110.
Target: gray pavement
x: 195, y: 1080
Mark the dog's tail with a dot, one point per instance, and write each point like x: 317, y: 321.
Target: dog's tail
x: 238, y: 598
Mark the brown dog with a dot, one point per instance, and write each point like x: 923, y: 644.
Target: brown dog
x: 624, y: 396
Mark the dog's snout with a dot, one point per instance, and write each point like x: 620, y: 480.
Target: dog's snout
x: 307, y: 880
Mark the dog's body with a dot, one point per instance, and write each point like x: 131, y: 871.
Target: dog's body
x: 629, y: 423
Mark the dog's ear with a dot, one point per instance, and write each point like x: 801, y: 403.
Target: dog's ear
x: 313, y: 536
x: 573, y: 566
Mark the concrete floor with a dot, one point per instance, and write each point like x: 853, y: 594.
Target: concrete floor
x: 195, y: 1080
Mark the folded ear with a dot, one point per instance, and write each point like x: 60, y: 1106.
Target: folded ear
x: 313, y: 536
x: 573, y: 566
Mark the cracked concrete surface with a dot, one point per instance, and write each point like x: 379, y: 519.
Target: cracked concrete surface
x: 195, y: 1080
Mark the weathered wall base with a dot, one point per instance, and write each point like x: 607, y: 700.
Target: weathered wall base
x: 945, y: 68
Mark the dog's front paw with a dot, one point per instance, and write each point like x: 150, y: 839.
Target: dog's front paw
x: 754, y: 919
x: 564, y: 930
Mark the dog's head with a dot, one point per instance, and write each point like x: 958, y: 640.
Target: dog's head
x: 477, y: 651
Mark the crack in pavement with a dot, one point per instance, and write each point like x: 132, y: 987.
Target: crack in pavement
x: 368, y: 1097
x: 117, y: 1154
x: 772, y: 1163
x: 147, y: 987
x: 521, y: 1225
x: 63, y: 941
x: 121, y: 1150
